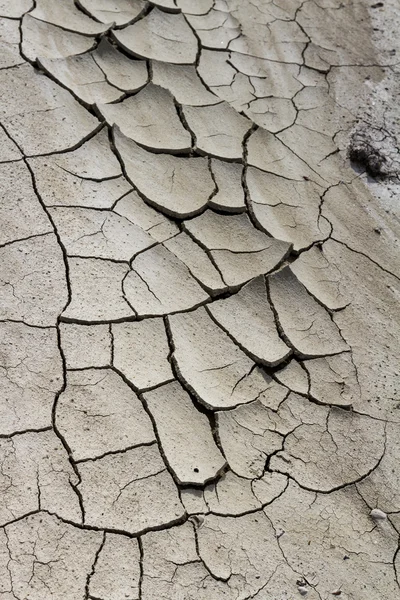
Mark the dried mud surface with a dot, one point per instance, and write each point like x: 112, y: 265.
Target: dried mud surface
x: 199, y: 300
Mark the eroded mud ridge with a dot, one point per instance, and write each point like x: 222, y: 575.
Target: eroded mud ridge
x: 199, y: 347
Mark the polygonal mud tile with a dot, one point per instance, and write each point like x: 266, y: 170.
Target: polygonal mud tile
x: 67, y: 16
x: 133, y: 208
x: 57, y: 556
x: 159, y: 283
x: 160, y: 36
x: 122, y: 72
x: 33, y: 281
x: 83, y: 77
x: 119, y: 12
x: 90, y: 176
x: 230, y: 193
x: 40, y: 116
x: 150, y: 119
x: 98, y: 413
x: 185, y: 435
x: 9, y: 151
x: 9, y: 43
x: 21, y: 214
x: 130, y: 491
x: 40, y: 39
x: 141, y: 352
x: 99, y: 233
x: 183, y: 82
x: 117, y: 572
x: 180, y: 187
x: 16, y: 9
x: 85, y: 346
x: 218, y: 373
x: 30, y: 375
x: 219, y: 129
x: 96, y: 290
x: 240, y: 251
x: 307, y: 326
x: 36, y: 474
x: 197, y: 261
x: 248, y: 318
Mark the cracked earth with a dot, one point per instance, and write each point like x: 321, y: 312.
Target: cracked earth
x: 199, y: 300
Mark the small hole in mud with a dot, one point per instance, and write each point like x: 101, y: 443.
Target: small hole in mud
x: 196, y: 470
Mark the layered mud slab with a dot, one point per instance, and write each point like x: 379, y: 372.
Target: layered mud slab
x: 199, y: 300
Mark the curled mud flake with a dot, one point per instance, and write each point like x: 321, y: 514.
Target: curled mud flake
x: 240, y: 251
x: 133, y: 208
x: 160, y: 283
x: 160, y: 36
x: 183, y: 82
x: 120, y: 70
x: 67, y: 16
x: 249, y: 320
x: 212, y: 366
x: 230, y: 194
x: 83, y: 77
x: 219, y: 129
x: 179, y: 187
x: 306, y: 325
x: 119, y: 12
x: 150, y: 119
x: 197, y: 261
x: 288, y: 210
x: 44, y: 40
x: 178, y: 422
